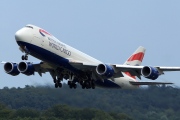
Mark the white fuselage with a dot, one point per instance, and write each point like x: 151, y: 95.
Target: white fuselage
x: 46, y: 47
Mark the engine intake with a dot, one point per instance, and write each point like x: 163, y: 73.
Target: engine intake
x: 150, y: 72
x: 105, y: 70
x: 26, y: 68
x: 11, y: 68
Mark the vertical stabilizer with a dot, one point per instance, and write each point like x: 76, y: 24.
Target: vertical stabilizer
x: 135, y: 59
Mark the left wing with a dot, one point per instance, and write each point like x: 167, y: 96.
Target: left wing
x: 146, y: 71
x: 150, y: 72
x: 148, y: 83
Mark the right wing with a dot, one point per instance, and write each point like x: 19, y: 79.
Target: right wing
x: 42, y: 67
x: 27, y: 68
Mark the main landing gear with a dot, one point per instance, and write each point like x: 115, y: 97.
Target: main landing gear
x: 72, y: 84
x: 72, y: 81
x: 56, y: 79
x: 57, y: 83
x: 87, y: 84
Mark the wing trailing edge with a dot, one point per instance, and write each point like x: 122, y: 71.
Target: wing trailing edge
x: 149, y: 83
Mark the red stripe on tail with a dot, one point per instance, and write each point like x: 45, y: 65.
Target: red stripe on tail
x: 138, y: 56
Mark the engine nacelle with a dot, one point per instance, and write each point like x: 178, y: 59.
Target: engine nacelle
x: 26, y: 68
x: 150, y: 72
x: 105, y: 70
x: 11, y: 68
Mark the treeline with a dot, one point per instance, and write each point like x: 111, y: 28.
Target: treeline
x: 152, y: 103
x: 59, y: 112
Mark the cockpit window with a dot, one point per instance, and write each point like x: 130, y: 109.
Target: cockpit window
x: 29, y: 26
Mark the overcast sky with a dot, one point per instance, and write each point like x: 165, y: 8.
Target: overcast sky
x: 109, y: 30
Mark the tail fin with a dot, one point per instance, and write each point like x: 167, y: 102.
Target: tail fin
x: 136, y: 58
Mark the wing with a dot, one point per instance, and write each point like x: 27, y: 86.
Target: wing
x: 131, y: 67
x: 144, y: 70
x: 27, y: 68
x: 149, y: 83
x: 138, y: 71
x: 42, y: 67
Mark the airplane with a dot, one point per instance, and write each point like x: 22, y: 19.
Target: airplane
x: 64, y: 62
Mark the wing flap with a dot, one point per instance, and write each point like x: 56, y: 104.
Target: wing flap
x: 149, y: 83
x: 82, y: 65
x: 42, y: 67
x: 168, y: 68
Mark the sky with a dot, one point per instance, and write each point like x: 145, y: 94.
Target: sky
x: 108, y: 30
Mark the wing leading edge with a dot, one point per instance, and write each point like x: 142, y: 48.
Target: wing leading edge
x: 132, y: 66
x: 133, y: 70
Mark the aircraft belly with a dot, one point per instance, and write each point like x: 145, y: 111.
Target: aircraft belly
x: 121, y: 82
x: 48, y: 56
x: 124, y: 83
x: 106, y: 84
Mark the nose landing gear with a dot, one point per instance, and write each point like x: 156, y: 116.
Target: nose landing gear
x: 24, y: 57
x: 24, y: 49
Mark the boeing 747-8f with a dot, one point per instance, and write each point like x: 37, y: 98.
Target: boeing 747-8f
x: 65, y: 62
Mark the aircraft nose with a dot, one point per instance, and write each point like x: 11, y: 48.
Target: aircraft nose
x: 20, y: 35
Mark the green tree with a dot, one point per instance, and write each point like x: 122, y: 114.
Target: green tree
x: 26, y: 113
x: 5, y: 112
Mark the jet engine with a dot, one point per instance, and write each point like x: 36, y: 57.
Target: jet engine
x: 105, y: 70
x: 11, y: 68
x: 26, y: 68
x: 150, y: 72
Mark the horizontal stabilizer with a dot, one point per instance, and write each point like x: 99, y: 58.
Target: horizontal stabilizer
x: 148, y: 83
